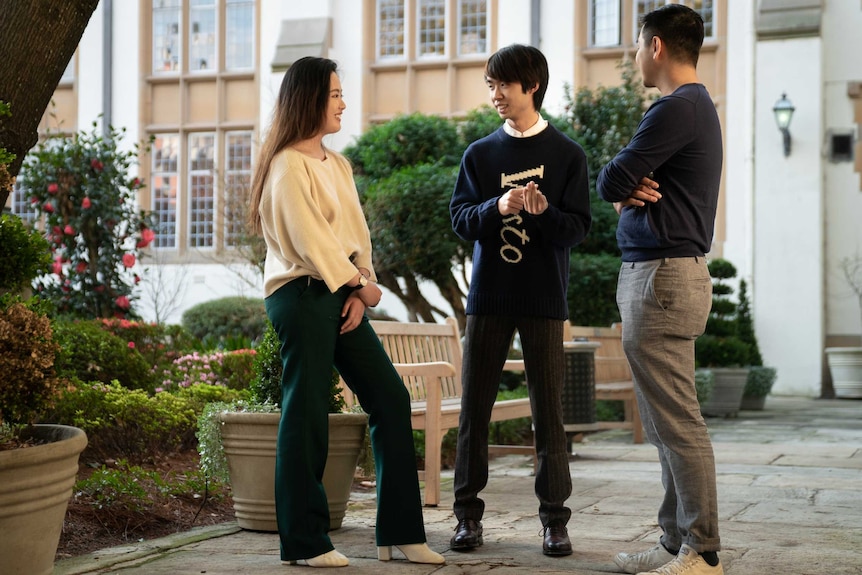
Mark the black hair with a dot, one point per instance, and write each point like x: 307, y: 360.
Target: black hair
x: 523, y: 64
x: 679, y: 27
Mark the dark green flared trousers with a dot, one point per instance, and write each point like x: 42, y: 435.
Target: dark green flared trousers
x: 307, y: 318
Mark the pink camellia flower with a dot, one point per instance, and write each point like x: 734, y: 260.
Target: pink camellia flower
x: 128, y: 260
x: 69, y: 230
x: 57, y: 266
x: 122, y: 302
x: 131, y: 345
x: 86, y: 203
x: 81, y: 267
x: 48, y: 207
x: 52, y: 188
x: 34, y: 200
x: 97, y: 165
x: 147, y: 236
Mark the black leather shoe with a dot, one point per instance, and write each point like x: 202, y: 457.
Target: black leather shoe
x: 468, y: 535
x: 556, y: 541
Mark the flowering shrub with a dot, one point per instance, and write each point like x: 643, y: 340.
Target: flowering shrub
x: 231, y: 369
x: 82, y: 185
x: 159, y: 344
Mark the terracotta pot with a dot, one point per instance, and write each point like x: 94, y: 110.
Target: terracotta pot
x: 35, y: 486
x: 249, y: 441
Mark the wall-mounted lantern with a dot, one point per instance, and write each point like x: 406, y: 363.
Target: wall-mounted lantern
x: 783, y: 110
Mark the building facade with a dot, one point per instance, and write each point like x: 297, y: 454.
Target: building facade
x: 198, y: 78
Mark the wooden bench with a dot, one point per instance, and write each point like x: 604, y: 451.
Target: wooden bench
x: 428, y: 358
x: 613, y: 375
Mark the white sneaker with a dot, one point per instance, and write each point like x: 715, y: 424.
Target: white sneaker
x: 688, y: 562
x: 643, y: 561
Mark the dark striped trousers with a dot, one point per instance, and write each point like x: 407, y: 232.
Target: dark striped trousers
x: 486, y: 344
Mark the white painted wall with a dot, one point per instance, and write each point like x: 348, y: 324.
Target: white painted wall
x: 348, y: 39
x: 739, y: 140
x: 788, y: 210
x: 513, y: 25
x: 557, y: 28
x: 168, y: 290
x: 126, y: 70
x: 843, y: 198
x: 89, y: 75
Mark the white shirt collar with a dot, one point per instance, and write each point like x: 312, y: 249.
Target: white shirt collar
x: 540, y: 125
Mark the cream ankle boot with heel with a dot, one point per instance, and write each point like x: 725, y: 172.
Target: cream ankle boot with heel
x: 329, y: 559
x: 415, y: 553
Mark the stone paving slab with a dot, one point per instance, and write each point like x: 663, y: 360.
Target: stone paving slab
x: 790, y: 503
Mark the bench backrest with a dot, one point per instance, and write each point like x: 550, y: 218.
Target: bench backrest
x: 413, y: 342
x: 611, y: 362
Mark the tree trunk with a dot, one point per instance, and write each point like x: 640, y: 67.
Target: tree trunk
x: 451, y: 292
x: 418, y: 308
x: 37, y: 40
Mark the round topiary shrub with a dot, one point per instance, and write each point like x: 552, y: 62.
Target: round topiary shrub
x: 593, y: 288
x: 227, y: 323
x: 24, y: 254
x: 89, y: 353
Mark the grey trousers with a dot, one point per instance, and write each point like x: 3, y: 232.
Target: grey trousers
x: 486, y: 344
x: 664, y: 305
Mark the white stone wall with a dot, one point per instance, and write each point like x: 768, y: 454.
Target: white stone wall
x: 788, y: 196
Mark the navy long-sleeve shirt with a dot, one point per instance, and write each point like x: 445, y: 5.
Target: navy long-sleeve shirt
x: 679, y: 142
x: 521, y: 262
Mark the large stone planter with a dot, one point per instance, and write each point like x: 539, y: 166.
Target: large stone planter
x: 727, y: 389
x: 35, y: 486
x: 845, y: 366
x: 249, y: 443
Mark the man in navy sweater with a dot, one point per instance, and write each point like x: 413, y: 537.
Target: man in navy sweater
x: 665, y: 184
x: 522, y: 197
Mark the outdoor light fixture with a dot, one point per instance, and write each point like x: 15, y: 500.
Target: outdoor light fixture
x: 783, y: 110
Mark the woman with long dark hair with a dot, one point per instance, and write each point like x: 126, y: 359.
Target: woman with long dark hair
x: 318, y: 281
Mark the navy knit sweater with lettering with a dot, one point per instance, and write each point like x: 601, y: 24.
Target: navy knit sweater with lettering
x: 521, y: 262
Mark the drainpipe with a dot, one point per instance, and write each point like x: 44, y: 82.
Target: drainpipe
x: 535, y: 13
x: 107, y: 65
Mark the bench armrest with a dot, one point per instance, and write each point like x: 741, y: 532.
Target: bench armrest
x: 514, y: 365
x: 427, y: 369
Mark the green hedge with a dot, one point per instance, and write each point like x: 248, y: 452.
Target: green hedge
x: 89, y: 353
x: 226, y: 323
x: 130, y: 423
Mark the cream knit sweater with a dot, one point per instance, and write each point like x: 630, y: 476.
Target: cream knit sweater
x: 312, y: 221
